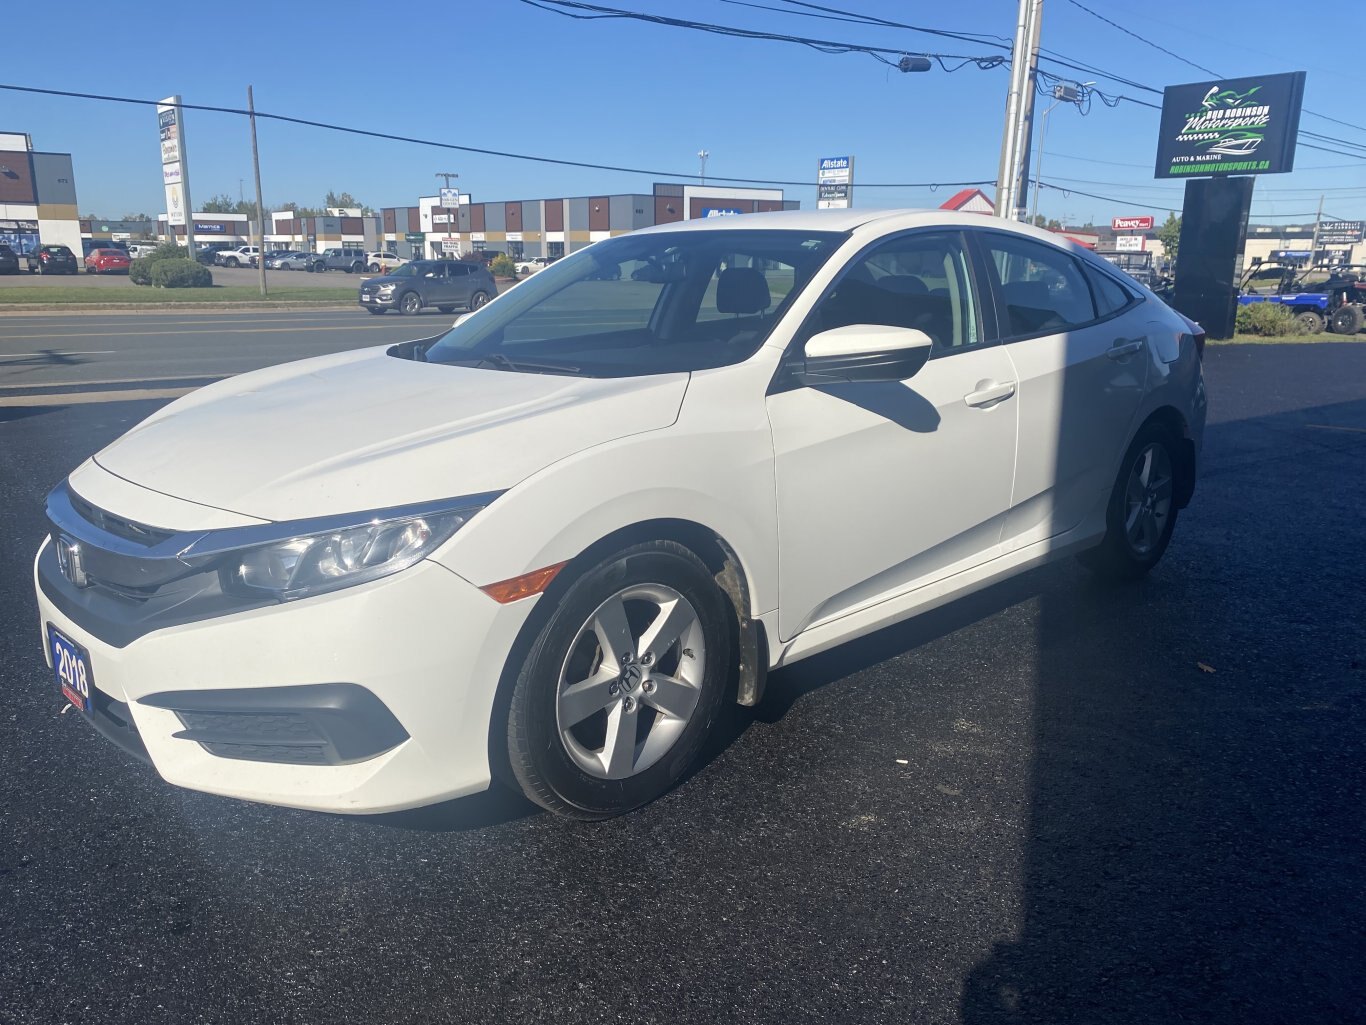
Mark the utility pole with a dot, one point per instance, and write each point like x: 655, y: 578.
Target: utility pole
x: 702, y: 157
x: 260, y: 206
x: 451, y: 215
x: 1013, y: 174
x: 1314, y: 245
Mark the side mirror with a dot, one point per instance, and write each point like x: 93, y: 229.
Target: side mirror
x: 862, y: 352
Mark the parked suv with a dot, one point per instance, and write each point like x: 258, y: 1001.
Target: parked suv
x: 9, y: 260
x: 446, y: 284
x: 52, y: 260
x: 376, y: 263
x: 350, y: 260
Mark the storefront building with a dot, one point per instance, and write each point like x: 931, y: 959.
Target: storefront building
x: 231, y: 229
x: 37, y: 197
x: 347, y: 229
x: 525, y: 229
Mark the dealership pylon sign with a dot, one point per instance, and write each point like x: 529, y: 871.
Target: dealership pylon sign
x: 834, y: 183
x: 175, y: 173
x: 1232, y: 126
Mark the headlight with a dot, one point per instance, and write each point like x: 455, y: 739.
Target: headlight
x: 319, y: 556
x: 388, y: 286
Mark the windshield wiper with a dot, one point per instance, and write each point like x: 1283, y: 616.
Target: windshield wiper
x: 497, y: 359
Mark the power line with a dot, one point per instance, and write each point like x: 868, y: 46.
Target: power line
x: 475, y: 149
x: 1191, y: 63
x: 848, y: 18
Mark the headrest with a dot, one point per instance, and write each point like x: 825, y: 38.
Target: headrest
x: 1030, y: 294
x: 903, y: 284
x: 742, y: 290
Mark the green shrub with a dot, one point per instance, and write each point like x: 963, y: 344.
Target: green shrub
x: 503, y: 266
x: 140, y: 270
x: 179, y: 274
x: 1265, y: 319
x: 167, y: 251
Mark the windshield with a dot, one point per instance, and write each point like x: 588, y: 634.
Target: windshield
x: 653, y: 303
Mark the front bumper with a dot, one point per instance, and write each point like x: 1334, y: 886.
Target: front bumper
x: 377, y: 299
x: 427, y: 646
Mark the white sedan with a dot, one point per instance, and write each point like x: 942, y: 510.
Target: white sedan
x: 546, y: 545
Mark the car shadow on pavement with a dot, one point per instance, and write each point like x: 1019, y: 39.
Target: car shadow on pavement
x: 1192, y: 850
x: 494, y: 807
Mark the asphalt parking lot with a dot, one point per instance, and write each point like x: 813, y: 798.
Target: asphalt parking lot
x: 1052, y: 802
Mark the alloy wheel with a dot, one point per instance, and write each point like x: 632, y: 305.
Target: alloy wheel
x: 1148, y: 498
x: 631, y: 681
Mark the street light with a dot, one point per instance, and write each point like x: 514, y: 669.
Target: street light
x: 1063, y: 92
x: 702, y: 156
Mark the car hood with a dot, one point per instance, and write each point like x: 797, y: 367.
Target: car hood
x: 365, y: 430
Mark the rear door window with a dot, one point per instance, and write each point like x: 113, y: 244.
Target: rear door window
x: 1042, y: 289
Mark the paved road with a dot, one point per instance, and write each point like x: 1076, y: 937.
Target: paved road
x: 65, y: 354
x: 1088, y: 826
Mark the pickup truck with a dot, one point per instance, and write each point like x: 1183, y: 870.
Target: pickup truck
x: 241, y: 256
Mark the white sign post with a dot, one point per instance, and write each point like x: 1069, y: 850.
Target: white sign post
x: 834, y: 183
x: 175, y: 169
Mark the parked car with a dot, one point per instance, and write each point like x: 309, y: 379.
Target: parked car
x: 237, y: 256
x: 9, y: 260
x: 534, y: 264
x: 350, y: 260
x: 52, y: 260
x: 89, y: 245
x: 446, y: 285
x: 107, y: 261
x: 546, y: 545
x: 142, y: 248
x: 207, y: 252
x: 383, y: 263
x: 289, y: 260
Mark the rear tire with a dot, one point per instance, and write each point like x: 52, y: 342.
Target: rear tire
x: 1347, y: 320
x: 1141, y: 514
x: 374, y: 268
x: 637, y: 718
x: 1309, y: 321
x: 478, y: 299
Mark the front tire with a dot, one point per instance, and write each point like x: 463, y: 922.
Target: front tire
x: 232, y: 261
x: 1347, y: 320
x: 1309, y: 321
x: 1142, y: 511
x: 410, y: 304
x: 594, y: 731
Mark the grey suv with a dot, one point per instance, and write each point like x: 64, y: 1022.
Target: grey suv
x: 446, y: 284
x: 350, y: 260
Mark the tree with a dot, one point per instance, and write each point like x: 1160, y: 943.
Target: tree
x: 335, y: 199
x: 1051, y: 223
x: 1170, y: 236
x: 137, y: 217
x: 219, y: 204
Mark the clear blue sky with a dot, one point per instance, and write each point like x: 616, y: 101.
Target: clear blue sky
x: 504, y: 75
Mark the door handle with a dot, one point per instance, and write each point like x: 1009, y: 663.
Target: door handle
x: 989, y: 393
x: 1125, y: 347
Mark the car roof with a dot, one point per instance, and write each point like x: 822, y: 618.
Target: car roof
x: 876, y: 221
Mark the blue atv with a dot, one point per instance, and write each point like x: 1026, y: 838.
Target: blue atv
x: 1275, y: 283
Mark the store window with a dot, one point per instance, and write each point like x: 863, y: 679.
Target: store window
x: 554, y: 250
x: 516, y: 250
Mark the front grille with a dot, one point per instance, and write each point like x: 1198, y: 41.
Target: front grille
x: 129, y: 530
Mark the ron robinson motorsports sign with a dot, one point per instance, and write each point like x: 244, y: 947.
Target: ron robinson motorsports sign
x: 1233, y: 126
